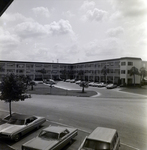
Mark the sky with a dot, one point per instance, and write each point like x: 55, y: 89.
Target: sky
x: 71, y: 31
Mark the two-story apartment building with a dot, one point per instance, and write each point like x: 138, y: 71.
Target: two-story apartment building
x: 110, y: 70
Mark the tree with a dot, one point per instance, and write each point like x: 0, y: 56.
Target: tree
x: 63, y: 73
x: 134, y: 71
x: 13, y: 89
x: 105, y: 71
x: 143, y: 73
x: 80, y: 74
x: 32, y: 83
x: 43, y: 72
x: 84, y: 85
x: 26, y: 79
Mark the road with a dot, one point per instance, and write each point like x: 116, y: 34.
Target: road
x: 125, y: 112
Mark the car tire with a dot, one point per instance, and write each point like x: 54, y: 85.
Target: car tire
x: 17, y: 137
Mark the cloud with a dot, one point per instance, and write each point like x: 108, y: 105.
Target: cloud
x: 68, y: 14
x: 8, y: 40
x: 87, y: 5
x: 30, y: 29
x: 114, y: 32
x: 107, y: 48
x: 61, y: 27
x: 116, y: 16
x: 41, y: 11
x: 15, y: 17
x: 95, y: 14
x: 66, y: 52
x: 142, y: 42
x: 131, y: 8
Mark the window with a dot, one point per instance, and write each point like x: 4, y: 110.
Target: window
x: 123, y: 71
x: 93, y: 144
x: 123, y: 63
x: 48, y: 135
x: 114, y: 140
x: 38, y: 65
x: 130, y: 63
x: 64, y: 133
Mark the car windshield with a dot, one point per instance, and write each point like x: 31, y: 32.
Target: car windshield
x: 16, y: 121
x: 96, y: 145
x: 48, y: 135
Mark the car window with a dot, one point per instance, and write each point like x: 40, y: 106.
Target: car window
x: 114, y: 139
x: 96, y: 145
x: 31, y: 119
x: 48, y: 135
x: 64, y: 133
x: 19, y: 122
x: 7, y: 118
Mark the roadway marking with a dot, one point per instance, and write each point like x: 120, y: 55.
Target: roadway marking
x: 78, y: 129
x: 89, y: 133
x: 129, y: 146
x: 67, y: 126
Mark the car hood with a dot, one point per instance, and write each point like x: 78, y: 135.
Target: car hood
x: 10, y: 128
x: 39, y: 143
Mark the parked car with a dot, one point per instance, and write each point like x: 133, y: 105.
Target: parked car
x: 111, y: 86
x: 51, y: 138
x: 18, y: 124
x: 72, y: 81
x: 67, y: 80
x: 91, y: 83
x: 101, y: 139
x: 78, y: 82
x: 102, y: 84
x: 95, y: 84
x: 50, y: 81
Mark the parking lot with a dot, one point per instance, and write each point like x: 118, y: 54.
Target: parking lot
x: 50, y: 103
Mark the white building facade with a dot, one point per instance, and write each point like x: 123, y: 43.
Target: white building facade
x: 111, y: 70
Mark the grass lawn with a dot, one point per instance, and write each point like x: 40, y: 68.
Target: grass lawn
x: 137, y: 90
x: 46, y: 90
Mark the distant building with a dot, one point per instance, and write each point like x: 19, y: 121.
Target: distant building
x: 111, y: 70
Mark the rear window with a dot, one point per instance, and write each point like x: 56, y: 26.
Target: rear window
x: 96, y: 145
x: 48, y: 135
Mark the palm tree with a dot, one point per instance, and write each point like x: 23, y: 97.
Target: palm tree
x: 134, y: 71
x: 143, y: 73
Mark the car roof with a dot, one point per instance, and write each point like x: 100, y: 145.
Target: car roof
x: 102, y: 134
x: 55, y: 129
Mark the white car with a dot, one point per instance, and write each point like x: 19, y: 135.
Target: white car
x: 18, y: 124
x: 78, y: 82
x: 101, y: 139
x: 51, y: 138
